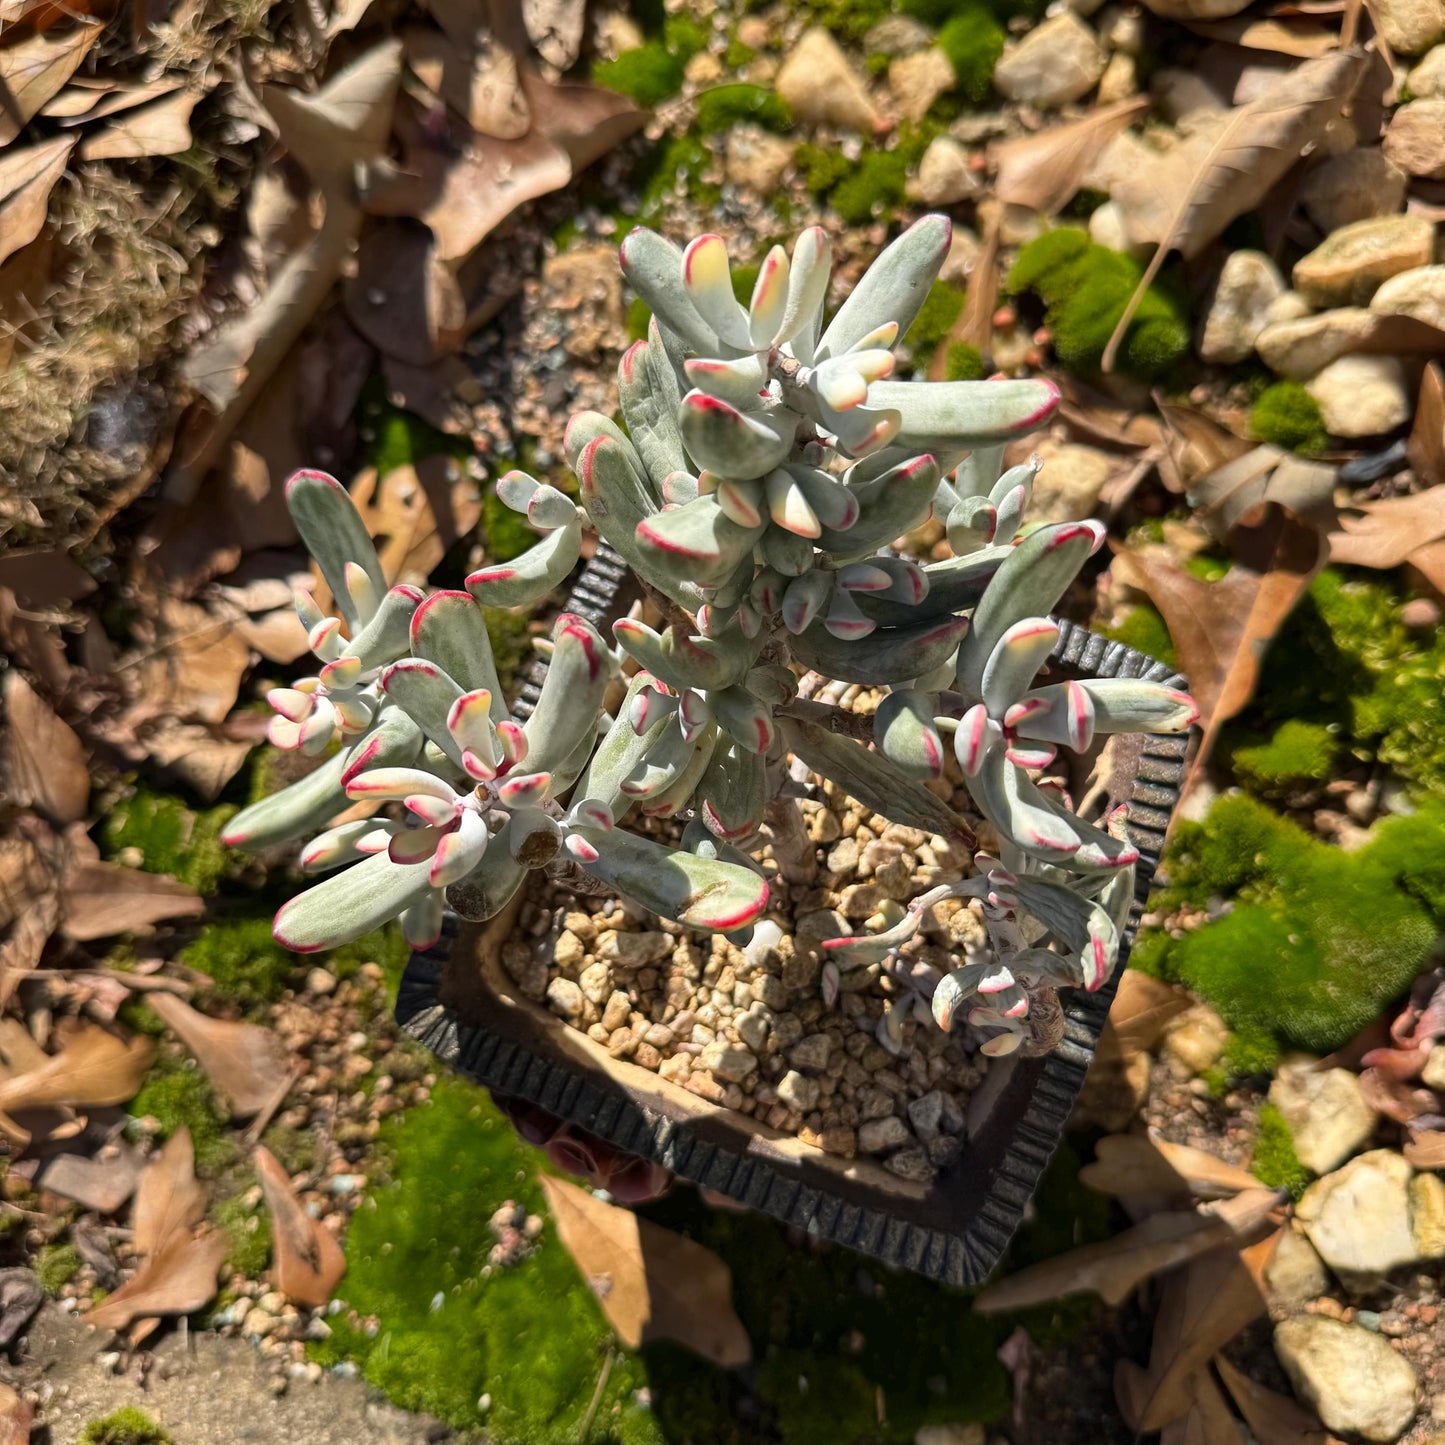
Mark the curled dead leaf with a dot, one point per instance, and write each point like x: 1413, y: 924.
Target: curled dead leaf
x: 1275, y: 1419
x: 660, y: 1285
x: 170, y: 1200
x: 249, y: 1065
x: 45, y: 762
x: 162, y: 128
x: 1144, y: 1164
x: 17, y: 1418
x: 1233, y: 493
x: 103, y: 899
x: 27, y: 177
x: 308, y: 1262
x: 36, y: 68
x: 1044, y: 171
x: 177, y: 1280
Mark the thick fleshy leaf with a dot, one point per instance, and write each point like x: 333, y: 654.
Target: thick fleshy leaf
x: 874, y: 780
x: 663, y: 764
x: 394, y: 741
x: 741, y: 501
x: 739, y: 383
x: 948, y: 416
x: 566, y: 712
x: 350, y: 903
x: 893, y: 288
x: 334, y: 534
x: 653, y: 268
x: 971, y: 524
x: 426, y: 694
x: 769, y: 303
x: 887, y: 655
x: 700, y: 892
x: 955, y: 585
x: 732, y: 790
x: 492, y: 884
x: 697, y: 544
x: 683, y: 662
x: 788, y: 505
x: 388, y: 635
x: 345, y: 844
x: 650, y: 397
x: 1121, y: 705
x: 707, y: 279
x: 1030, y: 580
x: 1016, y: 808
x: 679, y: 793
x: 805, y: 598
x: 887, y: 514
x: 786, y: 552
x: 1015, y: 661
x: 835, y: 506
x: 733, y: 443
x: 1077, y: 922
x: 748, y: 721
x: 621, y: 751
x: 807, y: 291
x: 904, y: 730
x: 293, y: 812
x: 449, y: 630
x: 528, y: 578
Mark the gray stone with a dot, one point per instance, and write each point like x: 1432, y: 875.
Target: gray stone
x: 752, y: 1030
x: 1355, y: 185
x: 1353, y: 1379
x: 596, y: 982
x: 633, y: 950
x: 916, y: 81
x: 1056, y: 62
x: 926, y: 1113
x: 1326, y: 1113
x: 1067, y: 488
x: 1295, y: 1273
x: 912, y: 1165
x: 820, y: 87
x: 728, y: 1061
x: 1419, y: 293
x: 811, y: 1052
x: 1362, y: 396
x: 1347, y: 268
x: 1290, y: 306
x: 1120, y: 79
x: 1427, y: 1215
x: 798, y: 1092
x: 1239, y: 308
x: 943, y: 178
x: 1299, y: 349
x: 1358, y: 1218
x: 1178, y: 93
x: 1411, y: 27
x: 1415, y: 140
x: 1194, y: 1041
x: 756, y: 160
x: 878, y: 1136
x: 897, y: 35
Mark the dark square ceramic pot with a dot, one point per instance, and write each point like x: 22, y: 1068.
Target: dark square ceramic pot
x: 457, y: 1000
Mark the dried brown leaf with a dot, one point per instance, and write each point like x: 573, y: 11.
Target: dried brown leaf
x: 1197, y: 444
x: 404, y: 297
x: 1222, y: 629
x: 651, y: 1283
x: 204, y: 758
x: 1203, y: 1307
x: 193, y: 673
x: 974, y: 326
x: 178, y: 1280
x: 45, y: 763
x: 308, y: 1261
x: 479, y: 82
x: 1426, y: 447
x: 35, y: 69
x: 416, y: 515
x: 1387, y: 533
x: 94, y: 1067
x: 1233, y: 493
x: 1275, y: 1419
x: 162, y: 128
x: 102, y: 1183
x: 107, y: 101
x: 27, y: 178
x: 587, y: 121
x: 1044, y: 171
x: 248, y: 1064
x: 170, y: 1201
x: 1143, y: 1164
x: 1297, y: 36
x: 17, y: 1417
x: 1207, y: 1421
x: 1142, y: 1009
x: 1254, y: 148
x: 1425, y: 1148
x: 103, y: 899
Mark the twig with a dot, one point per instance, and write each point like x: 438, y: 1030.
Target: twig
x: 591, y: 1414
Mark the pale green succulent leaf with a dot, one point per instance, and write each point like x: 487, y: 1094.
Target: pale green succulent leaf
x: 333, y: 532
x: 887, y: 655
x: 350, y: 903
x: 528, y: 578
x: 450, y: 630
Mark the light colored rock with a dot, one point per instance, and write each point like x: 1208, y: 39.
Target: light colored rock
x: 1325, y: 1111
x: 1299, y: 349
x: 916, y: 81
x: 703, y: 70
x: 1356, y: 185
x: 1178, y: 93
x: 1427, y: 79
x: 1415, y: 140
x: 1120, y: 79
x: 1056, y: 62
x: 879, y: 1135
x: 949, y: 1435
x: 820, y: 87
x: 1197, y: 9
x: 1295, y: 1274
x: 752, y: 1030
x: 811, y: 1052
x: 617, y: 1011
x: 1348, y: 266
x: 633, y: 950
x: 1419, y: 293
x: 569, y: 950
x: 564, y: 998
x: 596, y: 982
x: 897, y: 35
x: 1016, y: 225
x: 1194, y: 1041
x: 943, y: 175
x: 1108, y: 227
x: 1411, y: 27
x: 728, y: 1061
x: 1123, y: 28
x: 1433, y: 1074
x: 1362, y: 396
x: 799, y: 1092
x: 964, y: 250
x: 1358, y: 1218
x: 1289, y: 306
x: 756, y: 160
x: 318, y: 981
x: 1352, y: 1378
x: 1068, y: 487
x: 1238, y: 310
x: 1427, y: 1215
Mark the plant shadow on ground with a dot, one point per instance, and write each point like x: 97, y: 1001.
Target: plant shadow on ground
x: 845, y: 1349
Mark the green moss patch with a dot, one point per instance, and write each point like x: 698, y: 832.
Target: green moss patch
x: 1315, y: 942
x: 56, y: 1265
x: 1144, y: 629
x: 176, y: 1094
x: 1276, y: 1165
x: 128, y: 1426
x: 170, y: 837
x: 720, y: 109
x: 964, y: 363
x: 934, y: 321
x: 1287, y: 415
x: 1085, y: 288
x: 654, y: 72
x: 1297, y: 753
x: 973, y: 40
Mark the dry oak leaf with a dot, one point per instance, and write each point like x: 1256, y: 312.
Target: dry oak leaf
x: 36, y: 68
x: 27, y: 178
x: 1387, y: 533
x: 1231, y: 494
x: 102, y: 1182
x: 170, y: 1200
x: 651, y: 1283
x: 1207, y: 1421
x: 20, y: 1054
x: 1144, y: 1164
x: 308, y: 1262
x: 100, y: 900
x: 1196, y: 445
x: 1426, y: 447
x: 1044, y: 171
x: 162, y: 128
x: 45, y: 763
x: 1425, y: 1148
x: 1275, y: 1419
x: 1142, y: 1009
x: 93, y: 1067
x: 479, y: 83
x: 178, y: 1280
x: 249, y: 1065
x: 1203, y: 1307
x: 1222, y: 629
x: 416, y: 515
x: 16, y: 1418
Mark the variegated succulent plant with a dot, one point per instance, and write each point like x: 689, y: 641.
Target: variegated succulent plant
x: 768, y: 461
